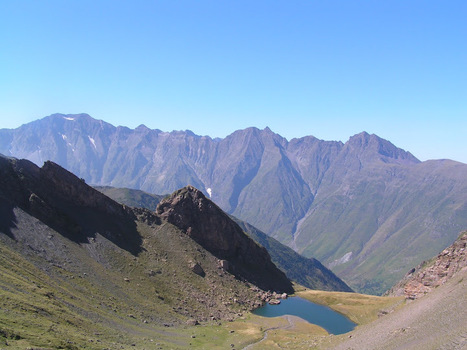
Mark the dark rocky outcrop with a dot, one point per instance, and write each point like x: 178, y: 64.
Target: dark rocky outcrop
x: 209, y: 226
x: 196, y: 268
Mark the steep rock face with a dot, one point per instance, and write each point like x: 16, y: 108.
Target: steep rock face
x: 208, y: 225
x: 432, y: 274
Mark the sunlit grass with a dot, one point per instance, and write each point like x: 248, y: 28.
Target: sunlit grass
x: 360, y: 308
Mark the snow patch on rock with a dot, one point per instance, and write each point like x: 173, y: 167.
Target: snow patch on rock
x: 92, y: 141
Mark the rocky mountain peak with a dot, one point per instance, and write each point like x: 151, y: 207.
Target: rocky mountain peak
x: 80, y: 118
x: 142, y: 128
x: 70, y: 116
x: 190, y: 210
x: 202, y: 220
x: 370, y: 145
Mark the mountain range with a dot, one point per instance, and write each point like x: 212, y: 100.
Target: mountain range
x: 365, y: 208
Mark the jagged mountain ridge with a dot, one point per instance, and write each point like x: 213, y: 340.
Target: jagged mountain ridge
x: 352, y: 205
x: 161, y: 162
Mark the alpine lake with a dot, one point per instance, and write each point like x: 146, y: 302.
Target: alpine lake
x: 332, y: 321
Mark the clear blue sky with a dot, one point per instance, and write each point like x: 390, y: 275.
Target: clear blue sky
x: 325, y: 68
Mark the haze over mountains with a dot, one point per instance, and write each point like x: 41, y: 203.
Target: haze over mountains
x: 365, y: 208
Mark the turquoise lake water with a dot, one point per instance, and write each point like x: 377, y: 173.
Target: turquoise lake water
x: 332, y: 321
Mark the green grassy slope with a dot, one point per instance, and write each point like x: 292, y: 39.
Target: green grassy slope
x: 384, y: 220
x: 58, y: 293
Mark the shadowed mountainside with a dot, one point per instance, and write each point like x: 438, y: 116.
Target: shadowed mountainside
x: 204, y: 222
x: 308, y: 272
x: 64, y: 203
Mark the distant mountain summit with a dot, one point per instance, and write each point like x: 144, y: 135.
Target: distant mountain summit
x: 365, y: 208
